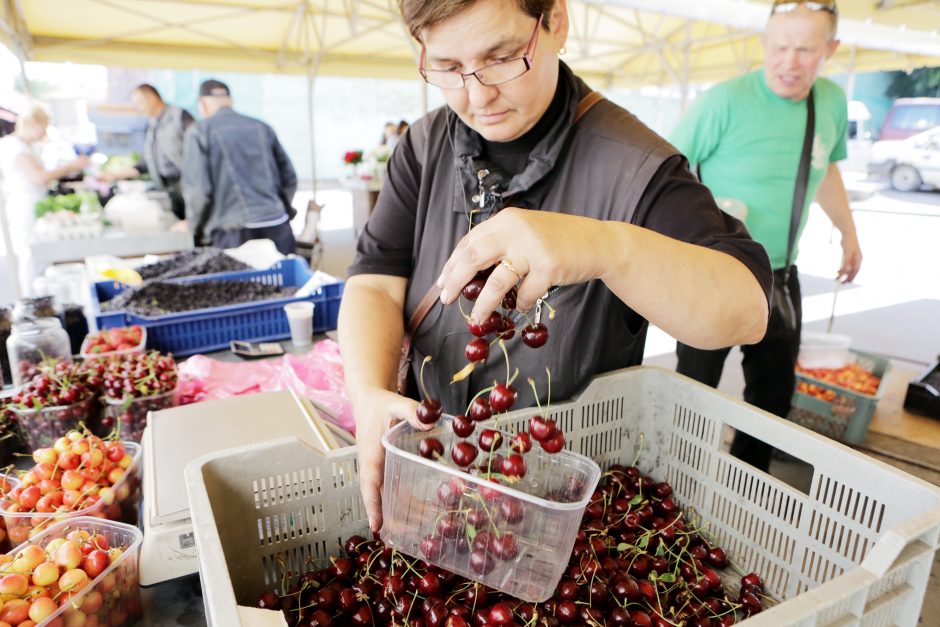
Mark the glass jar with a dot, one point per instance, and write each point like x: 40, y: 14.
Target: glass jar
x: 34, y: 341
x: 34, y: 308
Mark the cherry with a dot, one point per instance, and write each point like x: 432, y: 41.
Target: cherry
x: 429, y: 411
x: 477, y: 350
x: 505, y: 546
x: 463, y: 427
x: 750, y: 603
x: 513, y: 466
x: 269, y: 600
x: 429, y: 584
x: 509, y: 299
x: 463, y: 454
x: 431, y: 448
x: 490, y: 440
x: 362, y: 616
x: 480, y: 409
x: 567, y: 611
x: 450, y: 525
x: 481, y: 562
x: 716, y: 557
x: 541, y: 429
x: 521, y: 442
x: 626, y: 587
x: 449, y: 492
x: 471, y: 291
x: 502, y: 398
x: 455, y: 621
x: 500, y: 614
x: 505, y: 330
x: 554, y: 443
x: 535, y: 335
x: 512, y: 510
x: 432, y: 548
x: 641, y: 618
x: 753, y: 579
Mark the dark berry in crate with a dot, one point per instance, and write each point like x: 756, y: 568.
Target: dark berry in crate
x: 541, y: 429
x: 535, y: 335
x: 716, y: 557
x: 429, y: 411
x: 477, y: 350
x: 480, y: 409
x: 521, y: 442
x: 463, y: 427
x: 513, y: 466
x: 511, y: 510
x: 502, y: 398
x: 490, y: 440
x: 509, y: 300
x: 463, y: 454
x: 431, y: 448
x: 554, y: 443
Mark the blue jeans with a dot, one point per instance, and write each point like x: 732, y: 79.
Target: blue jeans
x: 281, y: 235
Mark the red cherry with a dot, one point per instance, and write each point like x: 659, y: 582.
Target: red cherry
x: 429, y: 411
x: 431, y: 547
x: 463, y: 427
x: 480, y: 409
x: 509, y: 300
x: 501, y: 614
x: 535, y: 335
x: 506, y: 329
x: 512, y: 510
x: 554, y: 443
x: 541, y: 429
x: 477, y: 350
x: 513, y: 466
x: 716, y: 557
x: 490, y: 440
x: 502, y: 398
x: 753, y: 579
x: 463, y: 454
x: 481, y: 562
x: 521, y: 442
x: 431, y: 448
x: 471, y: 291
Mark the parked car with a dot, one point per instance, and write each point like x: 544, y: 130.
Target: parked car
x: 909, y: 116
x: 910, y: 163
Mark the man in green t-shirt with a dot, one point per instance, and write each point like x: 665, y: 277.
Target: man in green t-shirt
x: 746, y: 138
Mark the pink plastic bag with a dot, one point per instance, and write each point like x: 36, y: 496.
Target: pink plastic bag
x: 317, y: 375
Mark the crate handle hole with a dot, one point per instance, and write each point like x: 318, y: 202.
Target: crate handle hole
x: 789, y: 469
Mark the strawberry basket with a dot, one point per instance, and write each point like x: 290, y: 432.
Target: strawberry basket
x: 855, y: 549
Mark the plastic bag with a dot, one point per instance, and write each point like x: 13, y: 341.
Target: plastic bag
x: 317, y: 375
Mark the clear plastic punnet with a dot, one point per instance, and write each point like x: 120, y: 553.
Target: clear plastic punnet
x: 514, y: 537
x: 111, y: 598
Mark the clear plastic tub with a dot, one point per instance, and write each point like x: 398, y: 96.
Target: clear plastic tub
x: 824, y: 350
x: 40, y: 428
x: 124, y: 508
x: 130, y: 415
x: 7, y: 483
x: 515, y: 539
x: 141, y: 347
x: 113, y: 597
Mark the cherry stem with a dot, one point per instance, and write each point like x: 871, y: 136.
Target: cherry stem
x: 424, y: 390
x: 535, y: 393
x: 502, y: 345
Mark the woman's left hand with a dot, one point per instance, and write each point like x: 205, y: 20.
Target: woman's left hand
x: 539, y: 248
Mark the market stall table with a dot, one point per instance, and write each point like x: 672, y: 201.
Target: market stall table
x: 365, y: 193
x: 115, y: 243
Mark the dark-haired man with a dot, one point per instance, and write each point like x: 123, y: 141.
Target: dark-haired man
x: 163, y: 144
x: 237, y: 180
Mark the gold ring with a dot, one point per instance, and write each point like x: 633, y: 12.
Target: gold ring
x: 508, y: 265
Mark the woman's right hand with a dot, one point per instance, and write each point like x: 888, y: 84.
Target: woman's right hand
x: 377, y: 410
x: 79, y: 163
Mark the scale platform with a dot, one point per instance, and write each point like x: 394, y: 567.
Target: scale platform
x: 176, y: 436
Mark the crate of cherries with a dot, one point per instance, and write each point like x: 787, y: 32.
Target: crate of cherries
x: 638, y: 560
x: 60, y: 396
x: 81, y: 571
x: 80, y: 475
x: 133, y: 387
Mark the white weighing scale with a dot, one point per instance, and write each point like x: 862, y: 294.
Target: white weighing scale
x: 176, y: 436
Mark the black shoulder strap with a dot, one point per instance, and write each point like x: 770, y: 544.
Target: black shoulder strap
x: 802, y: 179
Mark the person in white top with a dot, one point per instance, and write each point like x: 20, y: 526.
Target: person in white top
x: 25, y: 181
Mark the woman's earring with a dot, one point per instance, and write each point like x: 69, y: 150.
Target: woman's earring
x: 562, y: 51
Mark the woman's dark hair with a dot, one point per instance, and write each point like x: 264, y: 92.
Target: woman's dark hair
x: 420, y: 14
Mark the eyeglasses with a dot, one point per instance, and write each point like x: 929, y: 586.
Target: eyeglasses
x: 781, y: 6
x: 492, y: 74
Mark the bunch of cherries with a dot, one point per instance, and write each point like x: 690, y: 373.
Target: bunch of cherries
x: 55, y: 384
x: 137, y: 375
x: 498, y: 328
x: 638, y: 560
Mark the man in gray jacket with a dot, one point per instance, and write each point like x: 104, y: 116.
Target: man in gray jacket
x: 237, y: 180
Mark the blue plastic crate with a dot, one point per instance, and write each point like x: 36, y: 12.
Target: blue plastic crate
x: 206, y: 330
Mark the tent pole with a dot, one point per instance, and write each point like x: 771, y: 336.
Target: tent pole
x: 311, y: 75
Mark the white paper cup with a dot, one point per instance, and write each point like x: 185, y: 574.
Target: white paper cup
x: 300, y: 320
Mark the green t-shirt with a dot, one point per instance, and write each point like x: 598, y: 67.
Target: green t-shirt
x: 746, y: 142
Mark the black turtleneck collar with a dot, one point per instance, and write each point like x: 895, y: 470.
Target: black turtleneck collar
x: 528, y: 141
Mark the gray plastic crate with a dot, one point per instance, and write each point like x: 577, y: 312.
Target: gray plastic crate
x: 856, y: 550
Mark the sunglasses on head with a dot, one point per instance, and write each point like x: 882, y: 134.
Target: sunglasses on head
x: 785, y: 6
